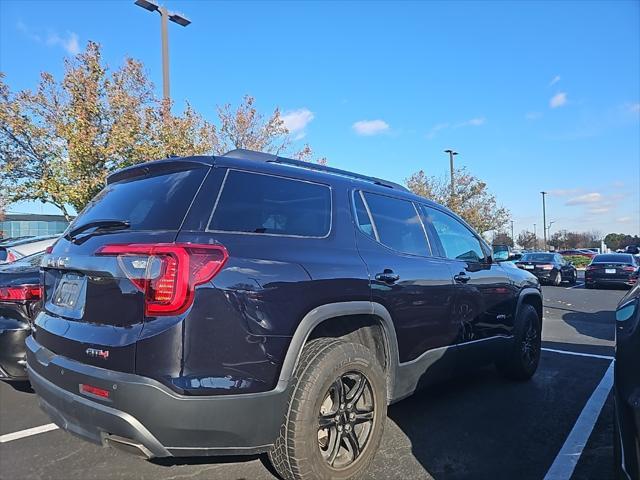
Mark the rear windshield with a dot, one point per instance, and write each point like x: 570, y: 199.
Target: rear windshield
x: 157, y: 202
x: 266, y: 204
x: 613, y: 259
x: 537, y: 257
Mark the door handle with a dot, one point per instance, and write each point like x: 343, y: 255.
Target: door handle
x: 462, y: 277
x: 387, y: 276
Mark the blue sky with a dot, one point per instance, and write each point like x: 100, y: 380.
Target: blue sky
x: 534, y: 95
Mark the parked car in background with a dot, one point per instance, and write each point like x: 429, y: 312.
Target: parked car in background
x: 627, y: 387
x: 17, y: 249
x: 6, y: 240
x: 612, y: 269
x: 20, y: 301
x: 549, y: 268
x: 632, y: 249
x: 251, y: 303
x: 579, y: 252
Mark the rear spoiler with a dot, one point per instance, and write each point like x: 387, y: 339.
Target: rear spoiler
x: 174, y: 164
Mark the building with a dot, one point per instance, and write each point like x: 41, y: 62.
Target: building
x: 20, y: 225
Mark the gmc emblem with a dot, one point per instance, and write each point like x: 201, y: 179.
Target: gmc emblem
x: 95, y: 353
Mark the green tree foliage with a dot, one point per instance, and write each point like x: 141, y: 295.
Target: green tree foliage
x: 471, y: 200
x: 617, y: 241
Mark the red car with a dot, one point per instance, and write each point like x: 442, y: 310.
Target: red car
x: 579, y: 253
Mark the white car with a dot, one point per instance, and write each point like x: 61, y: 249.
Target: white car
x: 12, y: 251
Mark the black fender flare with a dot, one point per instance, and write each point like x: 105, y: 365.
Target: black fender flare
x: 528, y: 292
x: 331, y: 310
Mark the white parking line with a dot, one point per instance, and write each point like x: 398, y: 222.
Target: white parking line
x: 579, y: 354
x: 577, y: 285
x: 565, y: 462
x: 9, y: 437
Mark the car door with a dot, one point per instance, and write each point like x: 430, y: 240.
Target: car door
x: 415, y: 287
x: 485, y: 296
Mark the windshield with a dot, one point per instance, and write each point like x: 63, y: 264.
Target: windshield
x: 537, y: 257
x: 612, y: 258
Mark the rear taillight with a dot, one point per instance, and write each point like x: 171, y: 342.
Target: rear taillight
x: 11, y: 257
x: 629, y: 269
x: 590, y: 267
x: 167, y: 273
x: 20, y: 293
x: 546, y: 267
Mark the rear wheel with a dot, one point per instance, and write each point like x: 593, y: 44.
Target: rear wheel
x: 574, y: 278
x: 336, y: 413
x: 522, y: 357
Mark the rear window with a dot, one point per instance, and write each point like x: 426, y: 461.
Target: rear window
x: 613, y: 259
x: 157, y: 202
x: 266, y: 204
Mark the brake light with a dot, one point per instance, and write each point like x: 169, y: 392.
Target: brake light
x: 546, y: 267
x: 591, y: 267
x: 11, y: 257
x: 629, y: 269
x: 167, y: 273
x: 20, y: 293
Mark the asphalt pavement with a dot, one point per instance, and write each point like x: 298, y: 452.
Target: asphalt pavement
x: 478, y: 426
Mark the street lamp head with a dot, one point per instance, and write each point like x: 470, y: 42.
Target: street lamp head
x: 150, y: 5
x: 451, y: 152
x: 179, y: 18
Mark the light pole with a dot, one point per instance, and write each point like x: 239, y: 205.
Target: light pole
x: 165, y: 16
x: 535, y: 238
x: 451, y: 154
x: 512, y: 239
x: 544, y: 220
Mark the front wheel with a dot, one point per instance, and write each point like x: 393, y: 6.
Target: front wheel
x: 336, y: 413
x: 521, y: 360
x: 557, y: 280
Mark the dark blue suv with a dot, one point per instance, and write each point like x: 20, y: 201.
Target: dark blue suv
x: 251, y: 303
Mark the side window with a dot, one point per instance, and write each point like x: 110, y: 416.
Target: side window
x: 458, y: 242
x: 257, y: 203
x: 362, y: 217
x: 397, y: 224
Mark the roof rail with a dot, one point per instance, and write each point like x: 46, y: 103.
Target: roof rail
x: 270, y: 158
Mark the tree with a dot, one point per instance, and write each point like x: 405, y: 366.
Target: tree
x: 527, y: 240
x: 617, y: 241
x: 502, y: 239
x: 59, y: 143
x: 471, y: 200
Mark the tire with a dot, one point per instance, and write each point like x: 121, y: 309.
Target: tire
x: 589, y: 285
x: 574, y: 278
x: 557, y: 280
x: 521, y: 359
x: 329, y: 370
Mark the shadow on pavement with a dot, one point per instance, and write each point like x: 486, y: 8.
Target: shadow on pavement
x: 596, y: 324
x: 22, y: 386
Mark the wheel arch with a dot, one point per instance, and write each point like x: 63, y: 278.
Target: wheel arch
x: 368, y: 320
x: 533, y: 297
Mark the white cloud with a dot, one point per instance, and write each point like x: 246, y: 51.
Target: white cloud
x: 558, y: 100
x: 624, y: 219
x: 370, y: 127
x: 533, y: 115
x: 554, y: 80
x: 599, y: 210
x: 634, y: 107
x: 474, y: 122
x: 297, y: 120
x: 592, y: 197
x: 69, y: 42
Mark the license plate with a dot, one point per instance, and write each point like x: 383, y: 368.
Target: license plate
x: 529, y: 267
x: 68, y: 293
x: 609, y: 270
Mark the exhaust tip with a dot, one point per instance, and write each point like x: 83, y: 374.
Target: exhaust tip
x: 129, y: 446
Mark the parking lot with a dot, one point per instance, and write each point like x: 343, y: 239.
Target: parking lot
x: 478, y: 427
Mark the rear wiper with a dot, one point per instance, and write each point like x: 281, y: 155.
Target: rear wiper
x: 98, y: 225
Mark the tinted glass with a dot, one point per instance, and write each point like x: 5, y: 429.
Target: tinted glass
x: 398, y: 224
x: 537, y: 257
x: 457, y: 240
x: 362, y: 217
x: 608, y: 258
x: 254, y: 203
x: 159, y: 202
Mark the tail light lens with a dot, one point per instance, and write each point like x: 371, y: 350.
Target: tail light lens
x: 11, y: 257
x: 590, y: 267
x: 20, y: 293
x: 546, y: 267
x: 629, y: 269
x: 167, y: 274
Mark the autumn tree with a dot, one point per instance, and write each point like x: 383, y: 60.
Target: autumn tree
x: 471, y: 199
x: 527, y: 240
x: 59, y: 142
x: 502, y: 238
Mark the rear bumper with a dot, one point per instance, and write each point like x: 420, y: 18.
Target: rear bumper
x: 145, y: 416
x: 629, y: 281
x: 12, y: 351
